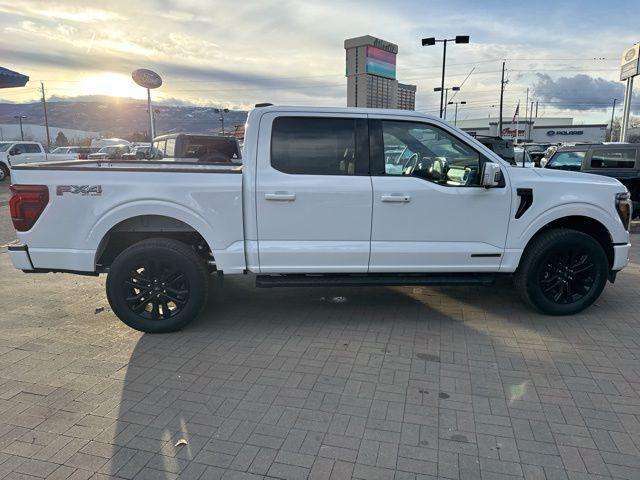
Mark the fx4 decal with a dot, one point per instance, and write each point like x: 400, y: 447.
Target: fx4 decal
x: 84, y: 190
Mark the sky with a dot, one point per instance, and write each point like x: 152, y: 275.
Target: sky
x: 238, y: 53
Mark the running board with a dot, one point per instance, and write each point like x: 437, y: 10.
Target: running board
x: 356, y: 280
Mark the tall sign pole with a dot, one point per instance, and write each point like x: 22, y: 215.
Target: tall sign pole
x: 626, y: 109
x: 629, y: 68
x: 149, y: 80
x: 152, y: 127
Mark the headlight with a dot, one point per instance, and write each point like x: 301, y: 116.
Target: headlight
x: 624, y: 208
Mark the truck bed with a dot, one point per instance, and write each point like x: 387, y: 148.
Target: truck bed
x: 89, y: 198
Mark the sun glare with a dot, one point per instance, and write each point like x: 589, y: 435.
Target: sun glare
x: 114, y: 84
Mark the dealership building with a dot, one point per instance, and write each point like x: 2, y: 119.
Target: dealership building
x: 538, y: 130
x: 371, y: 75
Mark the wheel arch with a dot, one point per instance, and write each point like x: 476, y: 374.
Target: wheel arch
x: 581, y: 223
x: 137, y: 221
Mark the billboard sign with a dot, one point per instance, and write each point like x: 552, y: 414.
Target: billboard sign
x: 630, y: 64
x: 146, y: 78
x: 381, y: 62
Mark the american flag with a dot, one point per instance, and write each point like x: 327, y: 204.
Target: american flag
x: 517, y: 113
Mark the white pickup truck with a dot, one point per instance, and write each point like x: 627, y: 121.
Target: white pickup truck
x: 321, y: 200
x: 20, y: 152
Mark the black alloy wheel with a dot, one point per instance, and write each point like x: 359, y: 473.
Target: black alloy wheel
x: 567, y: 276
x: 156, y: 290
x: 157, y: 285
x: 562, y: 271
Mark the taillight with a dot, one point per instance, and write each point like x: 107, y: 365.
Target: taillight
x: 26, y: 204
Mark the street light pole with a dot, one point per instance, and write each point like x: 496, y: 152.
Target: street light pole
x: 444, y: 62
x: 613, y: 109
x: 432, y: 41
x: 443, y: 114
x: 455, y: 118
x: 222, y: 111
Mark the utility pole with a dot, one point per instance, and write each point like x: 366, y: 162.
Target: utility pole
x: 531, y: 121
x: 46, y: 119
x: 536, y: 108
x: 20, y: 118
x: 501, y: 101
x: 613, y: 110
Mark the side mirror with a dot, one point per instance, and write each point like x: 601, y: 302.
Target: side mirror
x: 15, y: 151
x: 491, y: 175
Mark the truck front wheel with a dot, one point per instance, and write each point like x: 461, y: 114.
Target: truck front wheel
x: 157, y: 285
x: 4, y: 172
x: 562, y: 272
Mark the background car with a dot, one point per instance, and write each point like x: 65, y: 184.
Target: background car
x: 111, y: 152
x: 618, y: 160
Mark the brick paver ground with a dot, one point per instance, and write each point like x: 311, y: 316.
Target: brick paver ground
x: 374, y: 383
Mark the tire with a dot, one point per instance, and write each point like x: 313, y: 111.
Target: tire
x: 562, y: 272
x: 157, y: 285
x: 4, y: 172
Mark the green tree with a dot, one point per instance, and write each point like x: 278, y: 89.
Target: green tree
x: 61, y: 139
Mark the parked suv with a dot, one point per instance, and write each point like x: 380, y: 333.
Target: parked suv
x: 617, y: 160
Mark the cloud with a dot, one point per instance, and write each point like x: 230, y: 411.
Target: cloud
x: 580, y: 92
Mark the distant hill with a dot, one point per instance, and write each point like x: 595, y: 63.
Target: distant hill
x: 122, y: 117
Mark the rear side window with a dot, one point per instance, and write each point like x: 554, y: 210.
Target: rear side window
x: 613, y: 158
x: 33, y: 148
x: 28, y: 148
x: 314, y: 146
x: 567, y: 161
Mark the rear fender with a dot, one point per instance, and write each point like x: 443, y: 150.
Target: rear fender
x: 126, y: 211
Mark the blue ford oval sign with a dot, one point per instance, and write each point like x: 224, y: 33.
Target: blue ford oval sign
x: 146, y: 78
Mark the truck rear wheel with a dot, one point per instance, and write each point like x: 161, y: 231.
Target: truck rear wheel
x: 157, y: 285
x: 562, y: 272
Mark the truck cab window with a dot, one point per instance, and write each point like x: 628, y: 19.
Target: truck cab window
x: 313, y: 146
x: 426, y: 151
x: 567, y: 161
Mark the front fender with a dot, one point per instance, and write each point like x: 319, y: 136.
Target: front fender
x: 523, y: 230
x: 578, y: 209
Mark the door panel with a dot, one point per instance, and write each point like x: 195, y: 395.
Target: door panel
x: 319, y: 222
x: 439, y: 229
x: 429, y: 214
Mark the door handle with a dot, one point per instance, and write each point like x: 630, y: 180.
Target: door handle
x: 396, y: 198
x: 280, y: 196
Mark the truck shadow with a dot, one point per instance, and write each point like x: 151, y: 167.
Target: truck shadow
x: 262, y: 372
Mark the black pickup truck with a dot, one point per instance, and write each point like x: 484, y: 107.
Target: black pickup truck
x: 617, y: 160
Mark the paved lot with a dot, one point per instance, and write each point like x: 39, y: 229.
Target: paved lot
x: 376, y: 383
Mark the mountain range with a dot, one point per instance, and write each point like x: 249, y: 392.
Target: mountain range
x: 121, y: 117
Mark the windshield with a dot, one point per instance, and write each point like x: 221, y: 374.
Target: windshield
x: 566, y: 161
x: 108, y: 149
x: 5, y: 146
